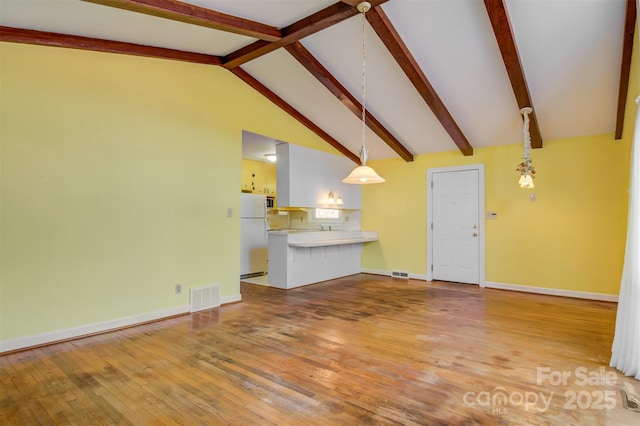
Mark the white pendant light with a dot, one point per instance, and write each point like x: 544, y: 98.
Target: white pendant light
x: 363, y: 174
x: 526, y: 169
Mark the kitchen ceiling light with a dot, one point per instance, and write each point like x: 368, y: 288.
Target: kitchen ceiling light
x: 270, y: 157
x: 363, y: 174
x: 526, y: 169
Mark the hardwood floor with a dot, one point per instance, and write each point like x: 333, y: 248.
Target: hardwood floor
x: 359, y: 350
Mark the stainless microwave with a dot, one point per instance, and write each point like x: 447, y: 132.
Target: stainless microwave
x: 271, y: 202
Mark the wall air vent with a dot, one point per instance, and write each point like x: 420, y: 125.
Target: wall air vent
x: 202, y: 298
x: 400, y: 274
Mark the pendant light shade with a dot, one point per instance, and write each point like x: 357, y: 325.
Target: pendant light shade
x: 363, y: 174
x: 526, y: 181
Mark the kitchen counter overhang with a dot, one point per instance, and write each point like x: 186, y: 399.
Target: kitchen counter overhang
x: 300, y: 238
x: 299, y: 258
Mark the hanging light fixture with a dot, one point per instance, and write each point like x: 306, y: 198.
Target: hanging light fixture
x: 331, y: 199
x: 334, y: 199
x: 527, y: 172
x: 363, y: 174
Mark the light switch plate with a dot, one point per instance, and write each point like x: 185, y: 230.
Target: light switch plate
x: 532, y: 196
x: 229, y: 212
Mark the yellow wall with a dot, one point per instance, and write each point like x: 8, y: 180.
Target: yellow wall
x: 116, y: 176
x: 571, y: 238
x: 259, y: 177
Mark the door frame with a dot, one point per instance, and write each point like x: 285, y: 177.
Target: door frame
x: 481, y: 214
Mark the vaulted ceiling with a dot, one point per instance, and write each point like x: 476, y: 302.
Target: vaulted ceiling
x: 441, y: 75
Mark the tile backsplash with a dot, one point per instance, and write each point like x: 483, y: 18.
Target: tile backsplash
x: 299, y: 219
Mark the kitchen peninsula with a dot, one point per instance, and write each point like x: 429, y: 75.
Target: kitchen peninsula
x: 306, y: 180
x: 299, y: 257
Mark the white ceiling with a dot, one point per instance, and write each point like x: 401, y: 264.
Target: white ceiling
x: 570, y: 52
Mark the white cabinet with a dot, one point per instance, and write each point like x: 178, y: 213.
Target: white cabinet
x: 306, y: 176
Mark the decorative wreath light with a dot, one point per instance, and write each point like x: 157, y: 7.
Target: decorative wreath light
x: 526, y: 169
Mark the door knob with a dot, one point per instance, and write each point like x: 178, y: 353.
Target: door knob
x: 475, y: 234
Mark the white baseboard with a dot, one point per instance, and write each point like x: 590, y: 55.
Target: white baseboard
x: 100, y: 327
x: 516, y: 287
x: 376, y: 272
x: 230, y: 299
x: 553, y: 291
x: 83, y: 330
x: 422, y: 277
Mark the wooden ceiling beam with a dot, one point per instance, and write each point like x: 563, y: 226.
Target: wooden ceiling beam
x: 266, y: 92
x: 325, y: 18
x: 625, y: 67
x: 391, y: 39
x: 307, y: 60
x: 196, y: 15
x: 42, y: 38
x: 504, y: 36
x: 318, y: 21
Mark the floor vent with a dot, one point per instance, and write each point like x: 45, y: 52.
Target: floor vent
x: 202, y: 298
x: 400, y: 274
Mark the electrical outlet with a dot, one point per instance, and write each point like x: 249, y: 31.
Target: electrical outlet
x: 178, y: 288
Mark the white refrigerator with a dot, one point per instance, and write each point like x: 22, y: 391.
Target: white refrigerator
x: 253, y: 235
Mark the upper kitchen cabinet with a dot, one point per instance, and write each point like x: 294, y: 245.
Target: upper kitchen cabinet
x: 258, y: 177
x: 305, y: 177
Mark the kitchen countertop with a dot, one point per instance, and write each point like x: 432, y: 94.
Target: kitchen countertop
x: 334, y: 242
x: 294, y: 231
x: 317, y: 238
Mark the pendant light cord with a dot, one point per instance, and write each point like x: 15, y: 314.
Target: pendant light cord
x: 363, y: 174
x: 363, y: 150
x: 526, y: 152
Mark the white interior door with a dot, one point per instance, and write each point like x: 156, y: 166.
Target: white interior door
x: 455, y: 226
